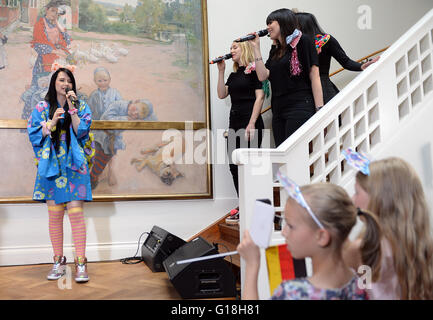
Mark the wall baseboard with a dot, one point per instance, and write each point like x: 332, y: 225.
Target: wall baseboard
x: 14, y: 256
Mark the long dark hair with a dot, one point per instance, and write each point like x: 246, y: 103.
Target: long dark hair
x: 286, y: 18
x: 308, y: 24
x: 51, y: 98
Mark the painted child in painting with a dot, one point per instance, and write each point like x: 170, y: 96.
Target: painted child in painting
x: 108, y: 142
x: 99, y: 101
x: 101, y: 98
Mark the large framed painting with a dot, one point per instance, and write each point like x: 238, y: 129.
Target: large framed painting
x: 142, y: 68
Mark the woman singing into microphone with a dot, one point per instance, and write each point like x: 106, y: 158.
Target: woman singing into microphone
x: 59, y: 133
x: 247, y: 96
x: 293, y: 71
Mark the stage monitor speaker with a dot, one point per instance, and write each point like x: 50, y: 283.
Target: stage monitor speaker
x: 211, y: 278
x: 159, y: 245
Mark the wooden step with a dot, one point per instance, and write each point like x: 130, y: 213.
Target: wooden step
x: 230, y: 232
x: 225, y: 236
x: 230, y: 240
x: 227, y: 246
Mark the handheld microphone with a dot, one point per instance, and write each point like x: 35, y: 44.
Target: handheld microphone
x: 260, y: 33
x: 224, y: 57
x: 73, y: 99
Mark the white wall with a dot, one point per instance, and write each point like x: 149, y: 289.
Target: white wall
x: 113, y: 228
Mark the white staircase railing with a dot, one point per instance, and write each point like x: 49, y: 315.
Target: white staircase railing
x: 365, y: 115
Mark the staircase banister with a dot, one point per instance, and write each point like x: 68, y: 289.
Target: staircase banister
x: 241, y: 156
x: 359, y: 60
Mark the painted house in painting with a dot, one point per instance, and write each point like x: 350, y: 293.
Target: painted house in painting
x: 27, y: 12
x: 9, y: 12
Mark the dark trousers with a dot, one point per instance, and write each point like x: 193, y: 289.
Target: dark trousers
x: 236, y: 140
x: 289, y: 115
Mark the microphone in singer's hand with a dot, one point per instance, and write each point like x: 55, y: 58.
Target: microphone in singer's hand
x: 73, y: 99
x: 260, y: 33
x: 224, y: 57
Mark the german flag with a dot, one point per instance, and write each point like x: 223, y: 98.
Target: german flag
x: 282, y: 266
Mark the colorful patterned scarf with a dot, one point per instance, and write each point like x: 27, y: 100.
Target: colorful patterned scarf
x: 320, y: 40
x: 292, y: 40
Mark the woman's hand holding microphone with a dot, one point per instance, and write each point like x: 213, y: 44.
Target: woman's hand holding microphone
x: 72, y: 100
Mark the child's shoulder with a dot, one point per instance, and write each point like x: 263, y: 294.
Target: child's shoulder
x: 301, y: 289
x: 113, y: 89
x: 293, y: 290
x: 115, y: 92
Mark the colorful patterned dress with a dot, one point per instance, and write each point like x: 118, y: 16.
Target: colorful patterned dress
x: 302, y: 289
x: 62, y: 175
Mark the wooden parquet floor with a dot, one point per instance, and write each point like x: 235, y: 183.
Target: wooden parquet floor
x: 108, y: 281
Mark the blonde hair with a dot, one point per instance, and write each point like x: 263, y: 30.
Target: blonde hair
x: 144, y: 109
x: 336, y: 211
x: 397, y: 197
x: 247, y: 55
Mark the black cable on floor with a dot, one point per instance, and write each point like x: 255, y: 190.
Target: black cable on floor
x: 134, y: 258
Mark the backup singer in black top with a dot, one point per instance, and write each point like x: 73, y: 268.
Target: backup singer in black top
x: 327, y: 47
x: 293, y: 71
x: 246, y: 94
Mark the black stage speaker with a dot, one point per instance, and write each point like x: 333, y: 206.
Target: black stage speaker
x: 158, y: 246
x: 211, y: 278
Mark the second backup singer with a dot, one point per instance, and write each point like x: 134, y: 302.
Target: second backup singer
x: 327, y: 47
x: 293, y: 71
x: 247, y: 98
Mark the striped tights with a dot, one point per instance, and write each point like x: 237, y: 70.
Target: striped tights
x: 76, y: 218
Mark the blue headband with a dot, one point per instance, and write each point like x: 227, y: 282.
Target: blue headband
x: 295, y: 193
x: 357, y: 160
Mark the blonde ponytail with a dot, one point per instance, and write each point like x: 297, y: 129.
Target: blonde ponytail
x: 370, y: 246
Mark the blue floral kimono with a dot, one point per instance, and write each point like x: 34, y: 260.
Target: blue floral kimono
x: 62, y: 176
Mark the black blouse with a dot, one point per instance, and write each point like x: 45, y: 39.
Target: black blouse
x: 242, y: 90
x: 282, y: 81
x: 333, y: 49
